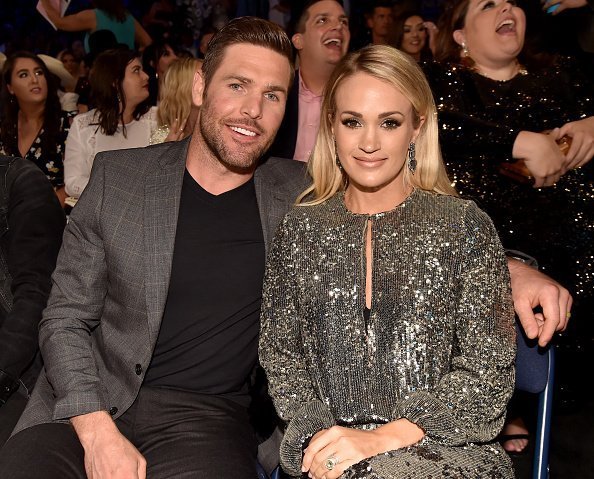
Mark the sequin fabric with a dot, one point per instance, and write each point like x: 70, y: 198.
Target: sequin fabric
x: 438, y: 348
x: 479, y: 120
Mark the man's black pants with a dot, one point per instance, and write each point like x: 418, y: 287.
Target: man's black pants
x: 180, y: 434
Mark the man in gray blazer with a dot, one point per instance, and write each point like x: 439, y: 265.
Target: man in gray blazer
x: 150, y: 334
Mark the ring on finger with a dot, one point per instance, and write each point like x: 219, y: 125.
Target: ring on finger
x: 331, y: 462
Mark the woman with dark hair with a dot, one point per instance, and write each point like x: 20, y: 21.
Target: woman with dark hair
x: 122, y: 117
x: 510, y: 126
x: 156, y: 58
x: 33, y: 125
x: 107, y: 15
x: 414, y: 35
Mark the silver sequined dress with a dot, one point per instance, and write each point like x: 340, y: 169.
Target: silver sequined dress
x: 438, y: 348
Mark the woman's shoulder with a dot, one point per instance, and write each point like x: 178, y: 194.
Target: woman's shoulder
x: 454, y: 206
x: 315, y: 216
x: 150, y: 116
x: 85, y: 120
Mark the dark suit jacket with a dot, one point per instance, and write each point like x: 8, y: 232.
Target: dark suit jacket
x: 286, y: 138
x: 110, y: 285
x: 31, y: 226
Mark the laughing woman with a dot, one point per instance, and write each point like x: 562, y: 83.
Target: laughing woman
x: 387, y: 323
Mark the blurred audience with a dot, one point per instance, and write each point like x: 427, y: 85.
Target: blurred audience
x: 107, y: 15
x: 518, y: 135
x: 122, y: 117
x: 156, y: 58
x: 380, y: 22
x: 321, y: 39
x: 415, y: 36
x: 176, y: 115
x: 33, y: 125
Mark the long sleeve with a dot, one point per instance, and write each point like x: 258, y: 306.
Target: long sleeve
x: 282, y: 356
x: 75, y: 306
x: 468, y: 404
x: 35, y: 225
x: 78, y: 157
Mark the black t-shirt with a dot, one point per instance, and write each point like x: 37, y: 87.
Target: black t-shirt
x: 208, y: 340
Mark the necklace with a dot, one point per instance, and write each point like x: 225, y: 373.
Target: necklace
x: 518, y: 70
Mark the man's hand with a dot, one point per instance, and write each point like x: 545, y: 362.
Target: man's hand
x: 108, y: 454
x: 345, y: 446
x: 531, y: 288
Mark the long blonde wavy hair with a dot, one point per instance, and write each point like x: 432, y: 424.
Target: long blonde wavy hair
x: 175, y: 92
x: 402, y: 72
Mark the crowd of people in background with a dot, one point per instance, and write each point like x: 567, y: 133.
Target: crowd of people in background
x: 515, y: 114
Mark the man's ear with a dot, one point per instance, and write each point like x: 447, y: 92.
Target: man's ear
x: 198, y: 88
x: 297, y: 40
x: 459, y: 37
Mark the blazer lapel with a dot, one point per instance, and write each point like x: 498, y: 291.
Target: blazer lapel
x: 161, y: 206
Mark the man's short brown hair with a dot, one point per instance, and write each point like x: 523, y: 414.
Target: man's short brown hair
x: 249, y: 30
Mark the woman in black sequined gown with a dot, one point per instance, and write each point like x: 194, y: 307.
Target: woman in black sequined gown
x: 491, y: 108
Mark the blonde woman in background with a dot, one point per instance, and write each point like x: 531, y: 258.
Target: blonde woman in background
x: 177, y: 115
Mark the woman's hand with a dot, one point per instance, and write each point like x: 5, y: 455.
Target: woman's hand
x: 542, y: 156
x: 348, y: 446
x: 432, y: 32
x: 581, y: 133
x: 176, y: 131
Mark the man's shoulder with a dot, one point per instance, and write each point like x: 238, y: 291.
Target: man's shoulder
x: 143, y: 159
x: 284, y: 172
x: 13, y: 169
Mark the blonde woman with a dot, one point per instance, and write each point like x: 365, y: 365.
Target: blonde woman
x: 387, y: 322
x: 177, y: 115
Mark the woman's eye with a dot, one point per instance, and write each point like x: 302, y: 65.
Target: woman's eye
x: 488, y: 5
x: 351, y: 123
x: 391, y: 124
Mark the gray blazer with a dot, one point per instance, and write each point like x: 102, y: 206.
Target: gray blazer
x: 110, y: 285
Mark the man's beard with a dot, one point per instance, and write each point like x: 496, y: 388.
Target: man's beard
x: 243, y: 159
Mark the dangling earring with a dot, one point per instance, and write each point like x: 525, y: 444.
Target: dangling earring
x: 412, y: 161
x: 465, y: 49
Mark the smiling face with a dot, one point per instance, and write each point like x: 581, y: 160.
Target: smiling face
x: 135, y: 84
x: 493, y: 32
x: 28, y: 82
x: 414, y: 36
x: 243, y: 105
x: 326, y: 36
x: 374, y: 124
